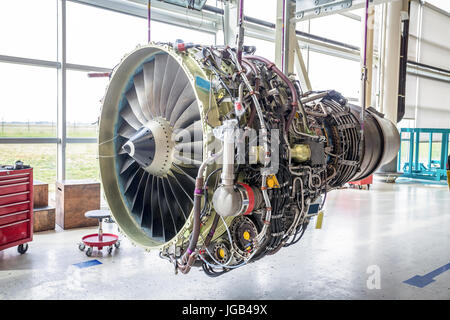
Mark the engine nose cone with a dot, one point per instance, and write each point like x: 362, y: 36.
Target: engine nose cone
x: 141, y: 147
x: 152, y: 147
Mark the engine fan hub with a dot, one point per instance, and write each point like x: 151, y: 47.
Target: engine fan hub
x: 152, y: 147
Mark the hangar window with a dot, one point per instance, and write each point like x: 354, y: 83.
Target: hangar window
x: 84, y: 96
x: 99, y: 37
x: 27, y: 34
x: 28, y: 103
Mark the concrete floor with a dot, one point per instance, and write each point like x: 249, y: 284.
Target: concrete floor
x: 402, y: 229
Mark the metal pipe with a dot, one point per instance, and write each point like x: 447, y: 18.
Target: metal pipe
x: 240, y: 39
x: 403, y: 66
x: 227, y: 175
x: 392, y: 60
x: 188, y: 258
x: 363, y: 80
x: 149, y: 17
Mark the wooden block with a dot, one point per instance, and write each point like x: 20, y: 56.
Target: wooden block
x: 73, y: 199
x: 44, y: 219
x: 40, y: 194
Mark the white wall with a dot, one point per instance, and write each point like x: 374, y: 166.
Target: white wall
x: 428, y: 101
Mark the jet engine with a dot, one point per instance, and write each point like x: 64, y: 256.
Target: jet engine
x: 216, y: 158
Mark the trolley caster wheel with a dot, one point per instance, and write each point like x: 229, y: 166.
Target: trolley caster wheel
x: 81, y: 246
x: 89, y: 252
x: 22, y: 248
x: 110, y: 249
x: 117, y: 244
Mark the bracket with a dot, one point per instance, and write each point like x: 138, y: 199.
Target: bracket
x: 317, y: 7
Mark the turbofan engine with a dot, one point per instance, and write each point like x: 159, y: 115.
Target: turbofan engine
x: 217, y: 158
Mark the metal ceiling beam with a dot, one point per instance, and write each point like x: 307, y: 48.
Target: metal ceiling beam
x: 161, y: 12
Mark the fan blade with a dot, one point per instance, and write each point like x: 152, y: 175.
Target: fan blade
x: 128, y: 115
x: 190, y: 173
x: 160, y: 66
x: 146, y: 215
x: 127, y: 164
x: 130, y: 187
x: 185, y: 184
x: 186, y: 161
x: 157, y: 223
x: 126, y: 130
x: 139, y: 86
x: 168, y: 222
x: 127, y: 168
x: 195, y: 147
x: 137, y: 204
x: 189, y: 116
x: 186, y: 98
x: 133, y: 101
x: 178, y: 86
x: 170, y: 73
x: 149, y: 69
x: 175, y: 211
x: 182, y: 200
x: 193, y: 132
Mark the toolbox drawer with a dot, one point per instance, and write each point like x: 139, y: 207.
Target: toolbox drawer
x: 14, y: 175
x: 14, y: 188
x: 6, y: 182
x: 14, y: 207
x: 14, y: 197
x: 14, y: 231
x: 14, y: 217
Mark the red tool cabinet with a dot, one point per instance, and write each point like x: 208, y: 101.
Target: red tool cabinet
x: 16, y: 208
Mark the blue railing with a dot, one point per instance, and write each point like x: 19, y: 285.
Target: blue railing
x: 414, y: 166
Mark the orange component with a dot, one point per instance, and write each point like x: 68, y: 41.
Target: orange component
x: 365, y: 181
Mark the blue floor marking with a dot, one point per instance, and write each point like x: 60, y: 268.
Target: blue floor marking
x: 87, y: 264
x: 422, y: 281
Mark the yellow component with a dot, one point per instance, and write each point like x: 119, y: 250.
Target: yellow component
x: 319, y: 220
x: 256, y: 154
x: 300, y: 152
x: 221, y: 253
x: 246, y: 235
x: 448, y: 178
x: 272, y: 182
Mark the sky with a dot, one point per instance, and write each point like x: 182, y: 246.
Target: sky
x: 101, y: 38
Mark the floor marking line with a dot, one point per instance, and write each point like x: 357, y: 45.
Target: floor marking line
x: 87, y: 264
x: 422, y: 281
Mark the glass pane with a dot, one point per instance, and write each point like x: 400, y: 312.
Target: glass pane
x: 84, y: 96
x: 264, y: 48
x: 168, y: 33
x: 338, y: 28
x: 99, y: 37
x: 328, y: 72
x: 29, y: 29
x: 28, y: 105
x: 261, y: 9
x: 82, y: 161
x: 41, y: 157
